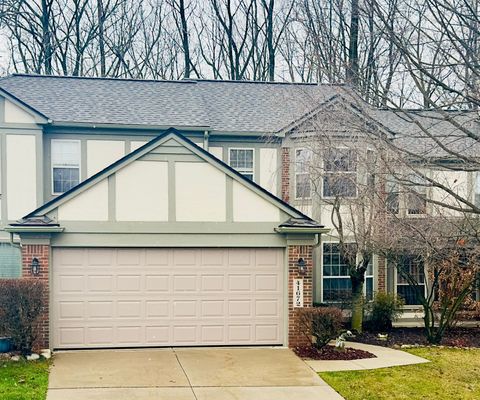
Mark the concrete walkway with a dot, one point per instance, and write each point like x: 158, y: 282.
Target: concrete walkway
x: 386, y: 357
x: 185, y: 374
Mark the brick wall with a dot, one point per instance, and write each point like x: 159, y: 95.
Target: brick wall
x: 285, y: 192
x: 295, y: 335
x: 42, y: 253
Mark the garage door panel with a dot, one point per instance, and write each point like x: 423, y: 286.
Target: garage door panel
x: 160, y: 297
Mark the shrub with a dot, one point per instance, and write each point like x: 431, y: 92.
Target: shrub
x: 384, y: 310
x: 320, y: 324
x: 21, y: 303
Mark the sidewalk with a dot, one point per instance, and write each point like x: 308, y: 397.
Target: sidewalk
x: 386, y: 357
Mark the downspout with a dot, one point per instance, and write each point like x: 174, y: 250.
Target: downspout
x: 206, y: 135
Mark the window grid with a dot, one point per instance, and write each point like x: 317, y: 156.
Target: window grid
x: 303, y: 188
x: 417, y: 197
x: 477, y: 189
x: 415, y: 267
x: 65, y: 156
x: 340, y: 173
x: 242, y: 160
x: 336, y: 281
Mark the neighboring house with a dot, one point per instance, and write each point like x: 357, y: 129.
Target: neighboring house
x: 149, y: 235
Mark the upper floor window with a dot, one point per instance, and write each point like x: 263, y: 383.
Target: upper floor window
x: 393, y: 196
x: 417, y: 197
x: 340, y: 173
x: 303, y: 158
x: 242, y: 161
x: 477, y: 190
x: 65, y: 165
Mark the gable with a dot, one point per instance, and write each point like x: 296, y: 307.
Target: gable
x: 16, y: 114
x: 169, y: 179
x: 340, y: 115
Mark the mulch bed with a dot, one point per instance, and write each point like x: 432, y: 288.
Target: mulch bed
x: 457, y: 337
x: 331, y: 353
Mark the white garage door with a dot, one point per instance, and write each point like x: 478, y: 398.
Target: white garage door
x: 166, y: 297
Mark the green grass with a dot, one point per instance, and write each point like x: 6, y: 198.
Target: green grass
x: 453, y: 374
x: 23, y: 380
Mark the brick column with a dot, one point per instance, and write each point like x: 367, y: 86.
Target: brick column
x: 295, y: 252
x: 285, y: 174
x: 42, y: 253
x: 382, y: 274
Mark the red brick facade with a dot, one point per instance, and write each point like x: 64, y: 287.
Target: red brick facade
x: 42, y: 253
x: 295, y: 335
x: 285, y: 174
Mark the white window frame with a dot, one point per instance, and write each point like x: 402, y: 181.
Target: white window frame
x: 244, y: 171
x: 396, y: 284
x: 301, y: 173
x: 325, y: 173
x: 411, y: 192
x: 344, y: 276
x: 392, y: 184
x: 52, y: 165
x: 476, y: 189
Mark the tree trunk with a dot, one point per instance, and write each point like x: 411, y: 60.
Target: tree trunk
x: 185, y: 39
x: 352, y: 68
x: 46, y: 38
x: 357, y: 301
x: 101, y: 36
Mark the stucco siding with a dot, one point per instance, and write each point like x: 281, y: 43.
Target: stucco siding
x: 217, y: 152
x: 14, y: 114
x: 135, y: 144
x: 457, y: 182
x: 91, y: 205
x: 268, y: 169
x: 101, y: 153
x: 200, y: 192
x: 142, y: 192
x: 250, y: 207
x: 21, y: 175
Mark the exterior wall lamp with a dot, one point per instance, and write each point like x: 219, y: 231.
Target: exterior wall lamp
x: 35, y: 266
x: 302, y: 266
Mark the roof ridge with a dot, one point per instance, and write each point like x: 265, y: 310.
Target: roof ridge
x: 186, y: 80
x: 106, y: 78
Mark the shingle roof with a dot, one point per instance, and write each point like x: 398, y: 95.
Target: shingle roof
x: 425, y: 132
x: 223, y: 106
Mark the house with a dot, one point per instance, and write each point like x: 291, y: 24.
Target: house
x: 172, y: 213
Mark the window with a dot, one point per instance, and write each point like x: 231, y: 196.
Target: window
x: 340, y: 173
x: 303, y: 158
x: 10, y: 261
x: 242, y: 161
x: 477, y: 190
x: 65, y: 165
x: 337, y: 286
x: 417, y: 197
x: 393, y: 196
x: 413, y: 266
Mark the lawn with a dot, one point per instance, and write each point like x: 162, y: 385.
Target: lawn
x: 452, y: 374
x: 23, y: 380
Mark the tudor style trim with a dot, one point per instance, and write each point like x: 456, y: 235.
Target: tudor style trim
x: 170, y: 133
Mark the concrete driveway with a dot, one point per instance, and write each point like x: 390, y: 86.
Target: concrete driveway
x: 185, y: 374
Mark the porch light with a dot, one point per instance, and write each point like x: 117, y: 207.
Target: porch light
x: 302, y: 266
x: 35, y: 266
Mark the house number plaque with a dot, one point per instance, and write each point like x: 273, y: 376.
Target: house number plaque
x: 298, y: 293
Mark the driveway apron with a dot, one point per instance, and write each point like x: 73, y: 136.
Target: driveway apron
x: 185, y: 374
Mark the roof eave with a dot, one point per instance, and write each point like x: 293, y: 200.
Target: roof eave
x: 34, y: 229
x: 290, y: 229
